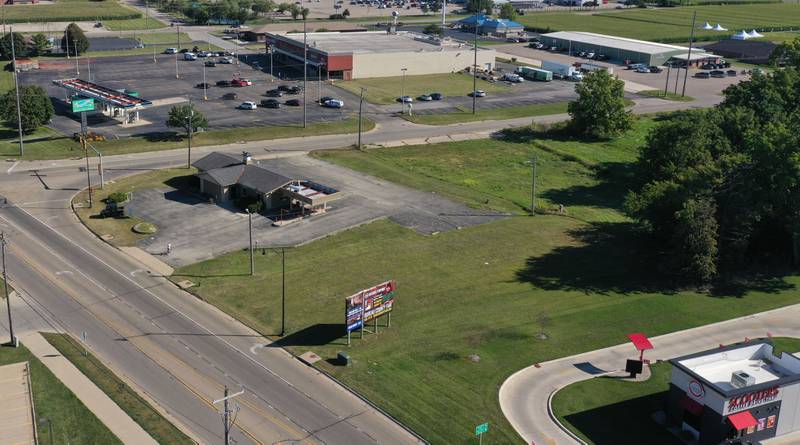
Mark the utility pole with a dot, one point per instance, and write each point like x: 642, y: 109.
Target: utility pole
x: 77, y: 67
x: 84, y: 144
x: 16, y: 88
x: 176, y: 66
x: 272, y: 76
x: 5, y: 286
x: 360, y: 115
x: 689, y: 56
x: 178, y: 29
x: 283, y: 291
x: 205, y: 89
x: 403, y: 91
x: 190, y: 130
x: 666, y: 84
x: 227, y: 420
x: 533, y: 185
x: 250, y: 231
x: 89, y: 66
x: 99, y: 164
x: 475, y: 67
x: 305, y: 71
x: 66, y: 39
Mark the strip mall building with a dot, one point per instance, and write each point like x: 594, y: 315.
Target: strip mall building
x: 742, y: 393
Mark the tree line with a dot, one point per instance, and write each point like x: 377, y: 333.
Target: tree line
x: 73, y: 41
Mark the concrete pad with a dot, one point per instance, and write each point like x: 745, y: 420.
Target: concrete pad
x: 633, y: 87
x: 153, y: 264
x: 17, y: 422
x: 310, y: 357
x: 96, y: 400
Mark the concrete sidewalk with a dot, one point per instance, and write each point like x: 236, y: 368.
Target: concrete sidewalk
x: 97, y: 401
x: 17, y: 422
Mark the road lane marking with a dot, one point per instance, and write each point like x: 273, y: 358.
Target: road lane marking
x: 10, y: 169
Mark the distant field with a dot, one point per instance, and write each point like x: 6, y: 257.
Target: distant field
x: 69, y: 10
x: 670, y: 24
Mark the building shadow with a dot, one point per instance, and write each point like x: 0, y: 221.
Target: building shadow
x: 315, y: 335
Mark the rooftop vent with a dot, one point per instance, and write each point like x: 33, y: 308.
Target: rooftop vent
x: 741, y: 379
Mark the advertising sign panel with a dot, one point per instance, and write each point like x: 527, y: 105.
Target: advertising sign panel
x: 82, y: 104
x: 369, y: 304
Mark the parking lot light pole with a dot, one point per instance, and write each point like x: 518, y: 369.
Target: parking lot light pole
x: 250, y: 231
x: 176, y: 66
x: 77, y: 67
x: 403, y: 91
x: 689, y: 55
x: 16, y: 89
x: 360, y: 115
x: 190, y: 130
x: 205, y: 86
x: 178, y: 29
x: 475, y: 68
x: 305, y: 73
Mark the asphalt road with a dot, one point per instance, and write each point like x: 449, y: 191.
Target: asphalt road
x: 174, y: 348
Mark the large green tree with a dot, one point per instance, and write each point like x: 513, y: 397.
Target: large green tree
x: 74, y: 40
x: 39, y: 44
x: 187, y: 118
x: 22, y: 47
x: 508, y: 11
x: 599, y: 111
x: 480, y: 6
x: 36, y: 109
x: 787, y: 53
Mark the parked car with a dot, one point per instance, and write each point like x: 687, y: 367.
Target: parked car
x: 590, y: 55
x: 241, y: 83
x: 437, y: 96
x: 202, y: 85
x: 576, y: 77
x: 248, y: 105
x: 294, y: 102
x: 274, y: 93
x: 293, y: 90
x: 731, y: 73
x: 210, y: 63
x: 702, y: 75
x: 202, y: 54
x: 642, y: 69
x: 477, y: 93
x: 718, y: 73
x: 225, y: 61
x: 656, y: 69
x: 511, y: 77
x: 405, y: 99
x: 171, y: 51
x: 425, y: 98
x: 189, y: 56
x: 230, y: 96
x: 183, y: 50
x: 223, y: 83
x: 270, y: 103
x: 333, y: 103
x: 324, y: 99
x: 634, y: 66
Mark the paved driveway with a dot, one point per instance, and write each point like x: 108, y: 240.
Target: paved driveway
x: 199, y: 230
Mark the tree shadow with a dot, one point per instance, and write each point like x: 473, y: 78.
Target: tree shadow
x: 615, y: 179
x: 162, y: 136
x: 625, y: 423
x: 315, y: 335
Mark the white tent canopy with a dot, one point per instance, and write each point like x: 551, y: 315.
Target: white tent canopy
x: 719, y: 28
x: 741, y: 35
x: 707, y: 26
x: 754, y: 34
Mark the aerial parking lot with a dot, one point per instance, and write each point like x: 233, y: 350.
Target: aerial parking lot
x: 157, y: 82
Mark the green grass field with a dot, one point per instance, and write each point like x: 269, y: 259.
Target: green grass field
x: 478, y: 290
x: 670, y: 24
x: 49, y: 144
x: 465, y: 115
x: 669, y: 95
x: 134, y: 24
x: 69, y: 11
x: 72, y: 422
x: 123, y: 395
x: 605, y: 410
x: 386, y: 90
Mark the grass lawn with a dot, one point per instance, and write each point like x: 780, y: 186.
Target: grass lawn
x: 140, y: 410
x: 669, y: 96
x: 121, y: 228
x: 488, y: 114
x: 49, y: 144
x: 477, y: 290
x: 70, y: 11
x: 72, y: 422
x: 386, y: 90
x: 611, y: 411
x: 148, y: 49
x: 134, y: 24
x: 669, y: 24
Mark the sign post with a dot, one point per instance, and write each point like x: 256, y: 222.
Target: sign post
x: 480, y: 430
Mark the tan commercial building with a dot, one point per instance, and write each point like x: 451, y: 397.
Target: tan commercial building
x: 355, y: 55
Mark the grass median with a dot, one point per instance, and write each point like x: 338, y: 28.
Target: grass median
x: 485, y: 114
x: 386, y: 90
x: 471, y: 302
x: 668, y: 96
x: 123, y: 395
x: 70, y: 420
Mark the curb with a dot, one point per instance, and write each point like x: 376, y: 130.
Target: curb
x: 555, y: 420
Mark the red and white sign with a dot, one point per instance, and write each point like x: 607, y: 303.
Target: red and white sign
x: 752, y: 399
x: 696, y: 389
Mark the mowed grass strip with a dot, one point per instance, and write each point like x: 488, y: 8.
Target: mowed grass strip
x: 479, y: 290
x: 483, y: 114
x: 71, y: 421
x: 69, y: 11
x: 670, y: 24
x: 605, y: 410
x: 386, y: 90
x: 134, y: 24
x: 123, y: 395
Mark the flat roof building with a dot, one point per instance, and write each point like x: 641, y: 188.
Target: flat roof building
x: 377, y: 54
x: 622, y: 49
x: 742, y: 392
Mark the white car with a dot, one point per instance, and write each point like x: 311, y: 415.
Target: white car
x: 171, y: 51
x: 333, y: 103
x: 478, y: 93
x: 405, y: 99
x: 248, y: 106
x: 225, y: 60
x: 576, y: 77
x: 189, y: 56
x: 510, y: 77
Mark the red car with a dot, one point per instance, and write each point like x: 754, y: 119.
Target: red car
x: 241, y: 83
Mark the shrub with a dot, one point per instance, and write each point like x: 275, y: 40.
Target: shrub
x: 117, y: 197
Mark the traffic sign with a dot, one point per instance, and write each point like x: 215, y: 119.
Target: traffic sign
x: 82, y: 104
x: 482, y: 428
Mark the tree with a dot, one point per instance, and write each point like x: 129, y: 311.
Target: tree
x: 599, y: 111
x: 695, y: 240
x: 35, y: 108
x: 78, y: 43
x: 346, y: 13
x: 433, y: 29
x: 507, y: 11
x: 295, y: 11
x: 39, y: 44
x: 187, y: 118
x: 787, y: 53
x: 263, y: 6
x: 436, y: 6
x: 283, y: 7
x: 22, y: 47
x: 304, y: 12
x: 479, y: 6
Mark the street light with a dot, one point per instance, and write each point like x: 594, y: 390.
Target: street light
x: 403, y: 90
x: 75, y: 47
x: 190, y: 130
x: 205, y: 89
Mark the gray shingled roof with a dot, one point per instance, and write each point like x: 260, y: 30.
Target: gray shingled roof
x: 261, y: 179
x: 223, y: 176
x: 216, y: 160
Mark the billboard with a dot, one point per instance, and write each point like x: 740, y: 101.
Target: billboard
x: 80, y: 104
x: 369, y: 304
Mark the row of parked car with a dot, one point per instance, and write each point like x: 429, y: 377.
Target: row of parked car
x: 715, y: 73
x: 421, y: 98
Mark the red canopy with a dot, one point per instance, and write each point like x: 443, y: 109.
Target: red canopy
x: 640, y: 341
x: 742, y: 420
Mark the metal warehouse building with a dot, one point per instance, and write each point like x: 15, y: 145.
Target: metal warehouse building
x: 357, y: 55
x: 621, y: 49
